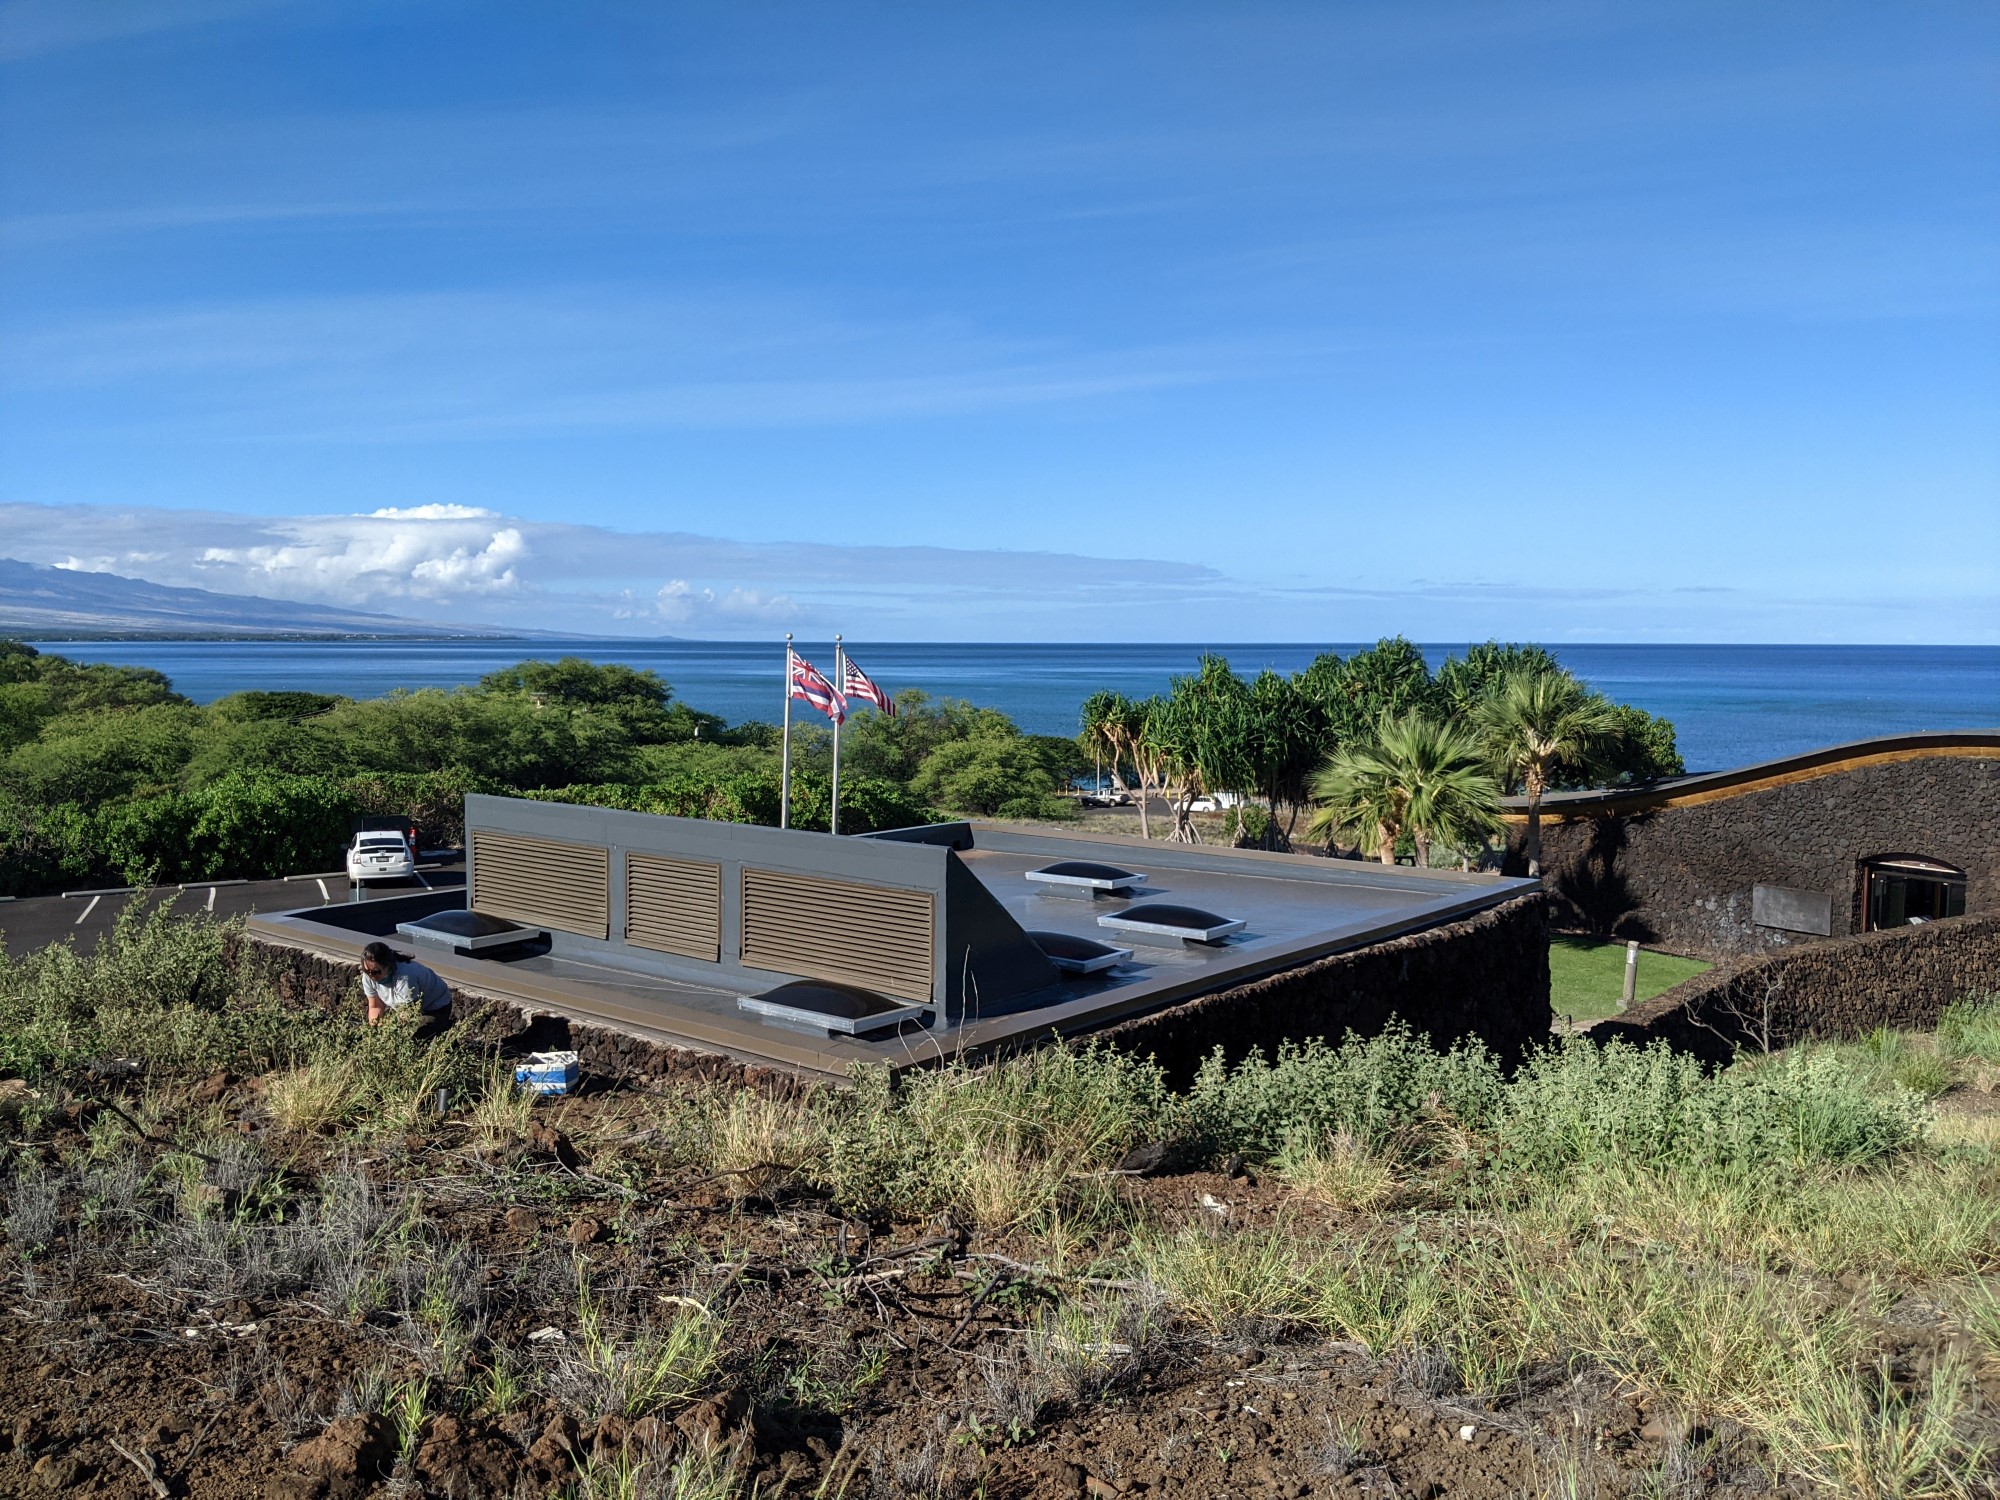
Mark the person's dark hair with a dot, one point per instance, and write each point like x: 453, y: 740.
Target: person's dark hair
x: 380, y: 954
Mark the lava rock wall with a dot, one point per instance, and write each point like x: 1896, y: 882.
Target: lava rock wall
x: 1680, y: 877
x: 1484, y: 976
x: 1902, y: 978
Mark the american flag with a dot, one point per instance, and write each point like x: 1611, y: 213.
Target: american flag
x: 810, y: 684
x: 859, y: 685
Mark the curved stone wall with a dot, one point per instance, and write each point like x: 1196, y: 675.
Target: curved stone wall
x: 1901, y: 978
x: 1675, y: 865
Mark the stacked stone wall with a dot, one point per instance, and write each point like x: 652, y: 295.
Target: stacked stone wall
x: 1903, y: 978
x: 1681, y: 877
x: 1485, y: 976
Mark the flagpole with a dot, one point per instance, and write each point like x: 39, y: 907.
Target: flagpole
x: 785, y: 756
x: 839, y: 686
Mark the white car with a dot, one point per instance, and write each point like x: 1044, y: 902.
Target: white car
x: 383, y: 854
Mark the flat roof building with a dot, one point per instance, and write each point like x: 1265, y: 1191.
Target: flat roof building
x: 813, y: 952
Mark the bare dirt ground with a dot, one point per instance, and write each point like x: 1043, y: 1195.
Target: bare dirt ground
x: 141, y: 1358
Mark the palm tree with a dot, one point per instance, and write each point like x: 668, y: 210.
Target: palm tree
x: 1454, y: 795
x: 1538, y: 725
x: 1358, y: 792
x: 1415, y: 775
x: 1103, y: 717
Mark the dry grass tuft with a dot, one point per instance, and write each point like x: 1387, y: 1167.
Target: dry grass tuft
x: 1339, y: 1170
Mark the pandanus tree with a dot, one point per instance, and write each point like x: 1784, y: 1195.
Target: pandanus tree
x: 1287, y: 737
x: 1414, y: 775
x: 1540, y: 725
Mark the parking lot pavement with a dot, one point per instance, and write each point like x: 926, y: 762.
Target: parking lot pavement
x: 37, y: 921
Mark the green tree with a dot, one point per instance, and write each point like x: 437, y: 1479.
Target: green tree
x: 575, y: 682
x: 1414, y: 776
x: 1644, y: 749
x: 1101, y: 731
x: 989, y: 777
x: 873, y: 744
x: 287, y: 705
x: 1538, y: 726
x: 1286, y: 734
x: 100, y: 754
x: 1463, y: 682
x: 37, y: 691
x: 1355, y: 695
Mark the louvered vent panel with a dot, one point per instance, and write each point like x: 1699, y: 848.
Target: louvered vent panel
x: 541, y: 882
x: 674, y: 906
x: 875, y: 936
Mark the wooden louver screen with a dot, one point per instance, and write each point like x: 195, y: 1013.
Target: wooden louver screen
x: 542, y: 883
x: 877, y: 937
x: 674, y: 906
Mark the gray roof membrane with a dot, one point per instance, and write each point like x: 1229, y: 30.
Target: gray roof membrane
x: 997, y: 931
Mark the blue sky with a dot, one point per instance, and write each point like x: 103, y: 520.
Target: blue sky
x: 1222, y: 321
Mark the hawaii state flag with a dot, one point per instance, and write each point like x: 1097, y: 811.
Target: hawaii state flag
x: 810, y: 684
x: 859, y: 685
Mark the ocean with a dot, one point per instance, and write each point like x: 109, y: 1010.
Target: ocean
x: 1731, y: 705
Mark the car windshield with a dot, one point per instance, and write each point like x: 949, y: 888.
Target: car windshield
x: 381, y: 841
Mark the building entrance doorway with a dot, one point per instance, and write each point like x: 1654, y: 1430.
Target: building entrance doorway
x: 1900, y: 889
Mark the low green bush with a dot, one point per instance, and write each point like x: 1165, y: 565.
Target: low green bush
x: 1577, y: 1104
x: 1570, y: 1106
x: 1394, y: 1085
x: 165, y: 991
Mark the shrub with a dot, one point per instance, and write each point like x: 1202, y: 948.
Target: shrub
x: 1394, y: 1085
x: 1576, y: 1105
x: 158, y: 987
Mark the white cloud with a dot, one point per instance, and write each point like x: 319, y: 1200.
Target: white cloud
x: 434, y: 513
x: 433, y: 554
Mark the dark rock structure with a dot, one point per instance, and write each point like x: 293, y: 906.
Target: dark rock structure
x: 1677, y: 864
x: 1904, y: 977
x: 1485, y: 976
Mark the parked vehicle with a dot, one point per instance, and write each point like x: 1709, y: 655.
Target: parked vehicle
x: 381, y: 854
x: 1210, y: 802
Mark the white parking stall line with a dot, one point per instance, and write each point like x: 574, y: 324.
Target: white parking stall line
x: 211, y: 898
x: 88, y: 910
x: 324, y: 894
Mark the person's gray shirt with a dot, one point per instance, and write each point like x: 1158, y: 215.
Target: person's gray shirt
x: 409, y: 981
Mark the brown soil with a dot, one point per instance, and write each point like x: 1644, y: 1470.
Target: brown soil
x: 863, y: 1359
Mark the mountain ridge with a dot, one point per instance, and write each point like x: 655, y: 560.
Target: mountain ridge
x: 52, y: 603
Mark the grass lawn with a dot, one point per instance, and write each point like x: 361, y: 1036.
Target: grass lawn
x: 1587, y: 976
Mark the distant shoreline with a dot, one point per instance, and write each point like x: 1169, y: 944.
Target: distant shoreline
x: 237, y: 637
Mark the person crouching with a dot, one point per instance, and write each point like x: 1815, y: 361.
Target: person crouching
x: 390, y: 983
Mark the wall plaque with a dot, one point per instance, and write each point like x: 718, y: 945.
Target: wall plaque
x: 1790, y: 910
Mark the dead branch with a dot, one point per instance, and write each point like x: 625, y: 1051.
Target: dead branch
x: 143, y: 1462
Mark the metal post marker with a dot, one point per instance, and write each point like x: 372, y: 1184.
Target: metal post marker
x: 839, y: 686
x: 1631, y: 975
x: 785, y: 754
